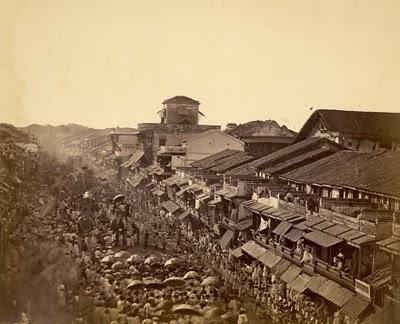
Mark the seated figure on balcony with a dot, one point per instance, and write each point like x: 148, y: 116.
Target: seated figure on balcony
x: 299, y: 248
x: 307, y: 256
x: 338, y: 262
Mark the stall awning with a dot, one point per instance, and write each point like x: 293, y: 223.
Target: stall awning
x: 329, y: 290
x: 214, y: 202
x: 253, y: 249
x: 158, y: 192
x: 269, y: 258
x: 226, y: 239
x: 170, y: 206
x: 300, y: 283
x: 135, y: 181
x: 355, y: 307
x: 336, y: 230
x: 237, y: 253
x: 282, y: 228
x: 230, y: 194
x: 257, y: 207
x: 182, y: 191
x: 243, y: 224
x: 391, y: 245
x: 280, y: 267
x: 184, y: 215
x: 294, y: 235
x: 365, y: 239
x: 322, y: 239
x: 291, y: 273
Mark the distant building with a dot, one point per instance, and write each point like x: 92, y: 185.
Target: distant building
x: 360, y: 130
x: 262, y: 137
x: 179, y: 121
x: 124, y: 141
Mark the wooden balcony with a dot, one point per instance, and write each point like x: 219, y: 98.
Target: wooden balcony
x: 318, y: 266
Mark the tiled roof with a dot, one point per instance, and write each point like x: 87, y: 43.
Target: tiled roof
x: 329, y: 290
x: 282, y: 228
x: 170, y: 206
x: 180, y: 100
x: 374, y: 172
x: 362, y: 123
x: 226, y: 239
x: 322, y: 239
x: 211, y: 160
x: 231, y: 162
x: 300, y: 283
x: 355, y: 307
x: 294, y: 235
x: 291, y: 274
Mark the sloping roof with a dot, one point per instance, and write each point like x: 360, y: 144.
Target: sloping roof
x: 391, y: 245
x: 376, y: 172
x: 300, y: 283
x: 282, y: 228
x: 291, y: 273
x: 288, y: 152
x: 211, y: 160
x: 226, y: 239
x: 301, y: 159
x: 211, y: 132
x: 322, y: 239
x: 355, y: 307
x: 329, y: 290
x: 133, y: 159
x: 180, y: 100
x: 261, y: 128
x: 232, y: 161
x: 170, y: 206
x: 378, y: 125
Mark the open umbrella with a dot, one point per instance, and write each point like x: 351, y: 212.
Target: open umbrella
x: 174, y: 281
x: 117, y: 265
x: 134, y: 258
x: 118, y: 198
x: 107, y: 259
x: 135, y: 284
x: 185, y: 309
x: 154, y: 283
x: 121, y: 255
x: 172, y: 262
x: 210, y: 281
x: 151, y: 259
x: 166, y: 304
x: 191, y: 275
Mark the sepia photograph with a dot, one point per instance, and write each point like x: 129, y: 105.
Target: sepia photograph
x: 199, y: 162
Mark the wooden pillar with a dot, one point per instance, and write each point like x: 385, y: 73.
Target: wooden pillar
x: 359, y: 262
x: 355, y: 264
x: 373, y: 260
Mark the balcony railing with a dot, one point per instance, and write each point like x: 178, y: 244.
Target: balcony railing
x: 317, y: 266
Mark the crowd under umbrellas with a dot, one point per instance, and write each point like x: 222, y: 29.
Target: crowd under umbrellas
x: 137, y: 266
x: 122, y: 281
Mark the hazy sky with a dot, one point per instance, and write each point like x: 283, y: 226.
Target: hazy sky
x: 108, y: 63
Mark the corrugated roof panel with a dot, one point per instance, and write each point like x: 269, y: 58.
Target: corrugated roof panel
x: 294, y: 234
x: 314, y: 221
x: 243, y: 224
x: 282, y: 228
x: 300, y: 283
x: 322, y: 239
x: 323, y: 225
x: 290, y: 274
x: 355, y: 307
x: 280, y: 267
x: 336, y: 230
x: 269, y: 259
x: 226, y: 239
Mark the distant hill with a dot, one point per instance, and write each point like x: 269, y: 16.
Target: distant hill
x: 260, y: 128
x: 13, y: 133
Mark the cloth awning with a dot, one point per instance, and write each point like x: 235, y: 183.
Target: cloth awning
x: 329, y: 290
x: 282, y: 228
x: 237, y: 253
x: 279, y: 268
x: 300, y: 283
x: 243, y: 224
x: 214, y: 202
x: 253, y: 249
x: 355, y: 307
x: 269, y: 258
x: 322, y: 239
x: 291, y: 273
x: 294, y: 234
x: 158, y: 192
x: 170, y: 206
x: 184, y: 215
x: 226, y: 239
x: 391, y: 245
